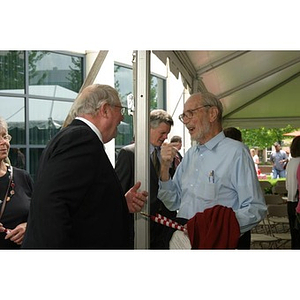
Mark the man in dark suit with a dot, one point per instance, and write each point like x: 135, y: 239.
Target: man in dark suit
x: 177, y: 141
x: 78, y: 201
x: 160, y: 126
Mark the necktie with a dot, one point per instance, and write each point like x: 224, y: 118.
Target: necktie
x: 155, y: 162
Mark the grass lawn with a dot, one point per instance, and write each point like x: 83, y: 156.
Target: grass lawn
x: 271, y: 180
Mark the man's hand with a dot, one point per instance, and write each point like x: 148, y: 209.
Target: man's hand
x: 2, y: 228
x: 135, y: 199
x: 167, y: 153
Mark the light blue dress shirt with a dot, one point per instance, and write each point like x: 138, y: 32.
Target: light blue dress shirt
x: 276, y: 157
x: 220, y: 172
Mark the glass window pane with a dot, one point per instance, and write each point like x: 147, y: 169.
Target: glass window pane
x: 157, y: 92
x: 45, y: 119
x: 124, y: 85
x: 123, y: 82
x: 12, y: 78
x: 12, y: 109
x: 54, y: 75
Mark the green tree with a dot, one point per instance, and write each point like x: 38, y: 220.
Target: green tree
x: 74, y: 76
x: 33, y: 58
x: 153, y: 93
x: 264, y: 137
x: 12, y: 68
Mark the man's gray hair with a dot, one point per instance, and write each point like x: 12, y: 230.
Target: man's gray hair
x: 3, y: 124
x: 208, y: 98
x: 158, y: 116
x: 176, y: 139
x: 92, y: 98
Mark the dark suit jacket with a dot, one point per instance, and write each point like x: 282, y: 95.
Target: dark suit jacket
x: 125, y: 171
x: 78, y: 201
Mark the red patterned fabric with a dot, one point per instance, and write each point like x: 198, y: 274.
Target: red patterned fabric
x: 215, y: 228
x: 167, y: 222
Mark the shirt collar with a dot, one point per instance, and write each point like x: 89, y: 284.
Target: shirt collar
x: 213, y: 142
x: 153, y: 147
x: 92, y: 126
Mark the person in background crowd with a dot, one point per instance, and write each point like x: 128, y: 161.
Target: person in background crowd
x: 279, y: 159
x: 233, y: 133
x: 160, y: 126
x: 297, y: 226
x: 177, y: 141
x: 218, y: 171
x: 292, y: 187
x: 255, y: 158
x: 78, y: 201
x: 16, y: 188
x: 236, y: 134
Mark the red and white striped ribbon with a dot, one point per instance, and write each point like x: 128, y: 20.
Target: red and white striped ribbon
x: 165, y: 221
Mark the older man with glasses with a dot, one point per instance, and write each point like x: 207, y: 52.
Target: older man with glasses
x: 78, y: 201
x: 218, y: 171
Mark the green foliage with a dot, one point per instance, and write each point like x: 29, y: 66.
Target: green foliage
x: 12, y: 68
x: 74, y: 77
x: 33, y: 58
x: 153, y: 93
x: 264, y: 137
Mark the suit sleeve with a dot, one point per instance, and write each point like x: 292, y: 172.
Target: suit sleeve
x: 125, y: 169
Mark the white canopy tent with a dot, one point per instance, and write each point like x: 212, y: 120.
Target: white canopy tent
x: 257, y: 88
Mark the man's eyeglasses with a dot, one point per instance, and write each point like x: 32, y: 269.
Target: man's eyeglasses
x: 122, y: 109
x: 189, y: 113
x: 6, y: 137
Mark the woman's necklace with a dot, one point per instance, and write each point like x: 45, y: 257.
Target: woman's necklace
x: 12, y: 183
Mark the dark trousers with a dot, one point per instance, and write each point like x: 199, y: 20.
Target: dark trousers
x: 244, y: 241
x: 295, y: 233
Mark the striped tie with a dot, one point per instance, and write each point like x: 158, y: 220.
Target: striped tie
x: 155, y: 162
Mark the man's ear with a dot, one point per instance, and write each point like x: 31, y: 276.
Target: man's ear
x: 104, y: 110
x: 213, y: 113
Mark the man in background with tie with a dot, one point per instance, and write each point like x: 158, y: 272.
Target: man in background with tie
x: 177, y: 141
x: 160, y: 126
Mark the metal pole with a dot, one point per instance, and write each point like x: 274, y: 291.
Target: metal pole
x: 142, y: 160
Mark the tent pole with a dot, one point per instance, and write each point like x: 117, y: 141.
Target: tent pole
x: 142, y: 157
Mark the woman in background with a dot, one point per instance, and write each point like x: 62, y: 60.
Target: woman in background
x: 16, y: 188
x: 292, y: 188
x: 255, y: 158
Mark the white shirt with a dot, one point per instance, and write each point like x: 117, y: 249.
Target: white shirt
x: 92, y: 126
x: 291, y: 182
